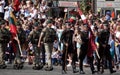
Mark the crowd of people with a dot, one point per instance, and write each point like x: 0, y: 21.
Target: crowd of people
x: 46, y: 41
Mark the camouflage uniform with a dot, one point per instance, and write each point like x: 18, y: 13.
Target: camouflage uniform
x: 33, y: 38
x: 48, y: 36
x: 4, y: 39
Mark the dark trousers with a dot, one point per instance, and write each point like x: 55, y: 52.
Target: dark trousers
x: 104, y: 53
x: 64, y: 57
x: 90, y: 61
x: 43, y: 53
x: 82, y: 55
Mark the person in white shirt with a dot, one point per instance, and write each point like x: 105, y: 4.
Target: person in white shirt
x: 43, y: 9
x: 117, y: 48
x: 2, y: 4
x: 7, y: 13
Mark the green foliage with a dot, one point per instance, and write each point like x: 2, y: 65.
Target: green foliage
x: 84, y: 6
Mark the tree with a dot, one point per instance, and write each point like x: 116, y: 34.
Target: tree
x: 85, y: 5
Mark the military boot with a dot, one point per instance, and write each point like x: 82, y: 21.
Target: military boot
x: 37, y: 67
x: 15, y: 66
x: 48, y: 68
x: 3, y: 66
x: 64, y: 72
x: 20, y: 66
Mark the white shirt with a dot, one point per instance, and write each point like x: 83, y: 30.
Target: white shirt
x: 34, y: 13
x: 43, y: 8
x: 2, y: 6
x: 118, y: 34
x: 7, y: 14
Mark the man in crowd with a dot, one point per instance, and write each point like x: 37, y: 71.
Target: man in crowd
x: 48, y: 35
x: 104, y: 47
x: 34, y: 38
x: 5, y: 37
x: 68, y: 48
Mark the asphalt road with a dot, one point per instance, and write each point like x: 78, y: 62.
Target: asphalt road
x: 27, y: 70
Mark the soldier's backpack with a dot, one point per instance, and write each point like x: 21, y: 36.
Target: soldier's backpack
x: 50, y: 35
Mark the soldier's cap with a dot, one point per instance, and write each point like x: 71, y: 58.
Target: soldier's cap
x: 18, y: 23
x: 49, y: 21
x: 36, y: 24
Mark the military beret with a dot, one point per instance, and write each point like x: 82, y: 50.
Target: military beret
x: 49, y: 21
x: 36, y: 24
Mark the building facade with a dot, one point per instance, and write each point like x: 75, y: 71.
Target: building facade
x: 104, y: 6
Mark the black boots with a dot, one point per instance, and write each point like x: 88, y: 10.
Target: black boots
x: 113, y: 71
x: 18, y: 66
x: 48, y: 68
x: 37, y: 67
x: 3, y: 66
x: 64, y: 72
x: 82, y: 72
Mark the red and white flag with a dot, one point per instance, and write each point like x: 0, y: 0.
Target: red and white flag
x: 91, y: 44
x: 83, y: 17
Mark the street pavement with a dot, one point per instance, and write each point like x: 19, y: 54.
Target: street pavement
x: 27, y: 70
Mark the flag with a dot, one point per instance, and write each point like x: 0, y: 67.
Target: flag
x: 82, y: 16
x: 13, y: 29
x: 12, y: 24
x: 91, y: 44
x: 16, y: 4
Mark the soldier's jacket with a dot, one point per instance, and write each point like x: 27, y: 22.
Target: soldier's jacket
x: 49, y: 35
x: 5, y: 35
x: 34, y: 36
x: 103, y: 37
x: 21, y: 36
x: 85, y: 37
x: 67, y: 36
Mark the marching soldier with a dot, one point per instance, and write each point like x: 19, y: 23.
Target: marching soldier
x: 104, y: 48
x: 18, y: 42
x: 84, y: 46
x: 4, y: 40
x: 67, y: 40
x: 34, y: 38
x: 48, y: 35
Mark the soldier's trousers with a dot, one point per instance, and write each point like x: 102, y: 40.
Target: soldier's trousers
x: 48, y: 50
x: 2, y: 52
x: 82, y: 55
x: 37, y: 54
x: 104, y: 54
x: 64, y: 57
x: 17, y: 59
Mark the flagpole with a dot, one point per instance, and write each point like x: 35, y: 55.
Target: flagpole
x: 19, y: 44
x: 85, y: 21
